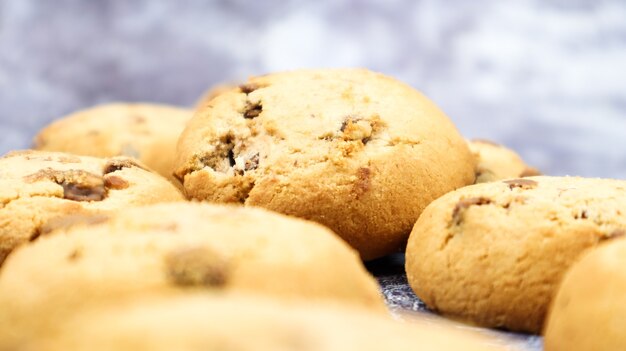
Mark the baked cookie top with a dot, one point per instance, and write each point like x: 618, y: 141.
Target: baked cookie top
x: 37, y: 186
x: 180, y: 246
x: 147, y: 132
x: 494, y: 253
x: 238, y: 322
x: 496, y: 162
x: 357, y: 151
x: 589, y: 308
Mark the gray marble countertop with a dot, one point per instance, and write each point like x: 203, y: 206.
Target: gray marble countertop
x: 544, y: 77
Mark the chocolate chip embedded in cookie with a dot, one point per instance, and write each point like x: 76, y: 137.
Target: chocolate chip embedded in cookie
x: 39, y: 186
x: 146, y: 132
x: 589, y: 308
x: 178, y: 247
x: 354, y: 150
x: 496, y: 162
x: 494, y: 253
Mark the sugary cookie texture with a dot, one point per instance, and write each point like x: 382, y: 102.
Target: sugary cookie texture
x: 246, y: 323
x: 178, y: 247
x: 354, y: 150
x: 497, y: 162
x: 589, y: 309
x: 37, y: 187
x: 494, y: 253
x: 147, y: 132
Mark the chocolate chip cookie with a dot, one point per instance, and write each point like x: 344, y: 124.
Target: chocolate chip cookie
x: 497, y: 162
x: 147, y: 132
x: 246, y: 323
x: 180, y: 247
x: 590, y: 305
x: 494, y: 253
x: 38, y: 186
x: 354, y: 150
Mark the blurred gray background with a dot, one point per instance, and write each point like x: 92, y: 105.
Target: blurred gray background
x: 547, y: 78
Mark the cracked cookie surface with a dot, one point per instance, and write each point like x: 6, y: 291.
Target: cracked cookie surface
x: 494, y: 253
x: 496, y: 162
x: 147, y: 132
x: 589, y: 308
x: 179, y: 247
x: 39, y: 186
x: 354, y: 150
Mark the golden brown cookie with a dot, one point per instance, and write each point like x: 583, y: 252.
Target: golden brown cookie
x: 496, y: 162
x: 589, y: 309
x: 494, y: 253
x: 147, y: 132
x: 354, y: 150
x: 180, y: 246
x: 38, y: 186
x: 242, y: 323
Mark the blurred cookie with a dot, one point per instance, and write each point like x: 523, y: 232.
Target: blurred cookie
x: 180, y: 246
x: 494, y: 253
x: 147, y: 132
x: 354, y: 150
x: 496, y: 162
x: 39, y: 186
x: 589, y: 309
x: 246, y: 323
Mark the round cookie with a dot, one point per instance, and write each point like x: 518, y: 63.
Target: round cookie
x: 494, y: 253
x: 39, y: 186
x: 147, y: 132
x: 496, y: 162
x: 179, y: 246
x: 354, y: 150
x: 589, y: 309
x: 242, y: 323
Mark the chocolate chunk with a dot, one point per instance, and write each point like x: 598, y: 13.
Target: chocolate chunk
x: 252, y: 162
x: 521, y: 183
x: 78, y: 185
x: 248, y: 88
x: 197, y: 266
x: 463, y: 204
x: 115, y: 182
x: 117, y: 164
x: 231, y: 158
x: 581, y: 215
x: 530, y: 172
x: 253, y: 110
x: 82, y: 192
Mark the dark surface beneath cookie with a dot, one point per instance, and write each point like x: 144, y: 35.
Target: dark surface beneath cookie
x: 402, y: 302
